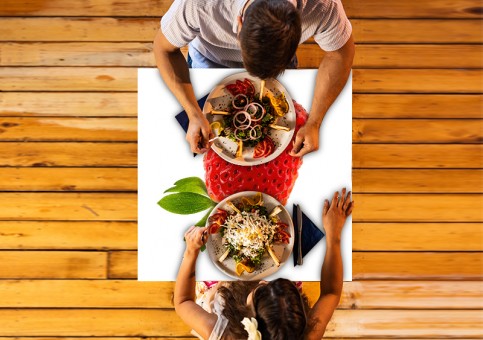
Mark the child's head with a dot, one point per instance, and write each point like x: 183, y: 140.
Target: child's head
x: 280, y: 310
x: 278, y: 306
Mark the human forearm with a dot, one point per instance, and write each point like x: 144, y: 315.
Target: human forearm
x: 331, y: 78
x: 174, y: 70
x: 331, y: 274
x: 185, y: 282
x: 175, y: 73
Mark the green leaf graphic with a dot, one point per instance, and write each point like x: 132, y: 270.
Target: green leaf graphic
x: 189, y: 184
x: 185, y: 203
x: 202, y: 222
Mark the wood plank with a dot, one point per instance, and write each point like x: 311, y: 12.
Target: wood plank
x: 123, y: 265
x: 125, y: 105
x: 92, y: 323
x: 86, y: 8
x: 413, y: 9
x: 68, y: 129
x: 125, y: 79
x: 417, y: 131
x: 366, y: 265
x: 68, y: 179
x: 417, y: 81
x: 387, y: 56
x: 68, y: 154
x: 416, y: 31
x: 417, y: 181
x: 142, y: 322
x: 418, y: 208
x: 68, y: 206
x: 62, y: 235
x: 68, y: 79
x: 416, y: 156
x: 79, y: 29
x: 419, y: 266
x: 52, y: 265
x: 134, y: 294
x: 144, y: 29
x: 60, y: 104
x: 354, y: 8
x: 430, y: 236
x: 141, y: 55
x: 416, y: 106
x: 125, y: 130
x: 77, y: 54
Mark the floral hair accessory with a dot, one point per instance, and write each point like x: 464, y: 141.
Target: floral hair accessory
x: 251, y: 326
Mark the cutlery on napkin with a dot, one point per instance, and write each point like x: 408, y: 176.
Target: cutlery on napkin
x: 306, y: 237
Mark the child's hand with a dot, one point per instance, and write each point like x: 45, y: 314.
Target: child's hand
x: 335, y: 214
x: 195, y: 237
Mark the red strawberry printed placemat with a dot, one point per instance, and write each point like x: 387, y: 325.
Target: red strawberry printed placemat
x: 164, y: 158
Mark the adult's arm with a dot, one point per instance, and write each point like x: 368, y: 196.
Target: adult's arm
x: 334, y: 216
x: 174, y: 70
x: 184, y: 291
x: 332, y: 75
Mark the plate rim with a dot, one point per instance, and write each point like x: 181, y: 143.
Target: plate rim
x: 280, y: 149
x: 262, y: 274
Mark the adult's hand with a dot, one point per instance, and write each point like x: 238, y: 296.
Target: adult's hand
x: 199, y: 133
x: 335, y: 213
x: 306, y: 140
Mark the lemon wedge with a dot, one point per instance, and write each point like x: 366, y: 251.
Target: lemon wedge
x: 217, y: 127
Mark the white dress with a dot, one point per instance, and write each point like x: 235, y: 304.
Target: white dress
x: 209, y: 299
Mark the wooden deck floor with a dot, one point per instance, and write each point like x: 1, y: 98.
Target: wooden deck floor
x: 68, y: 133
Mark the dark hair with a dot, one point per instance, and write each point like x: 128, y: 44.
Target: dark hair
x: 269, y: 37
x: 235, y: 295
x: 281, y: 310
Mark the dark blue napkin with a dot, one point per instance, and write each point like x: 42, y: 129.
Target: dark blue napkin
x: 183, y: 119
x: 311, y: 235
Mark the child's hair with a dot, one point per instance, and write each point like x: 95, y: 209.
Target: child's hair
x: 280, y: 309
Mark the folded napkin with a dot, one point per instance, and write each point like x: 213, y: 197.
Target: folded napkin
x: 183, y: 119
x: 311, y: 235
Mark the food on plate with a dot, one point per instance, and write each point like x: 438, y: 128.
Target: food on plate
x: 248, y: 230
x: 275, y: 178
x: 249, y: 117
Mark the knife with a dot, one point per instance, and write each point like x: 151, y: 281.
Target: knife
x: 300, y: 260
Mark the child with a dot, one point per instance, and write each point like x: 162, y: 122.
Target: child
x: 264, y: 310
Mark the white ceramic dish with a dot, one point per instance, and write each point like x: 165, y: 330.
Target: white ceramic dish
x: 267, y: 267
x: 219, y: 99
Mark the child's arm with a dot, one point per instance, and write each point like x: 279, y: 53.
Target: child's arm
x: 333, y: 216
x: 184, y: 291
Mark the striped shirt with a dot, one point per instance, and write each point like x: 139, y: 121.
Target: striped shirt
x: 210, y: 28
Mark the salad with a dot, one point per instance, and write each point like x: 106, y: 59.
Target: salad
x: 248, y: 230
x: 250, y: 116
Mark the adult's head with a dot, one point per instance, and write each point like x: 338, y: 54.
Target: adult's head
x: 280, y: 309
x: 269, y: 36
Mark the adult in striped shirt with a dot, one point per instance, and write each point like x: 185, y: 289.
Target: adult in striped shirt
x: 261, y: 36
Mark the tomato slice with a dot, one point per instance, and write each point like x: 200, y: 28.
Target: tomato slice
x: 232, y: 88
x: 213, y: 228
x: 260, y: 149
x: 250, y: 87
x: 265, y: 148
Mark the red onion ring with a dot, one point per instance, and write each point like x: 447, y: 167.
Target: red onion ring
x: 242, y: 123
x: 254, y: 129
x: 254, y: 109
x: 236, y: 97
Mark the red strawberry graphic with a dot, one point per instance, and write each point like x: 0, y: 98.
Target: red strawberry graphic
x: 275, y: 178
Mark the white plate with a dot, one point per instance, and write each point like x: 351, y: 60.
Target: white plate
x: 267, y: 266
x: 219, y: 99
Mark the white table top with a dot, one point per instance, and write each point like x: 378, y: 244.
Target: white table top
x: 164, y: 157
